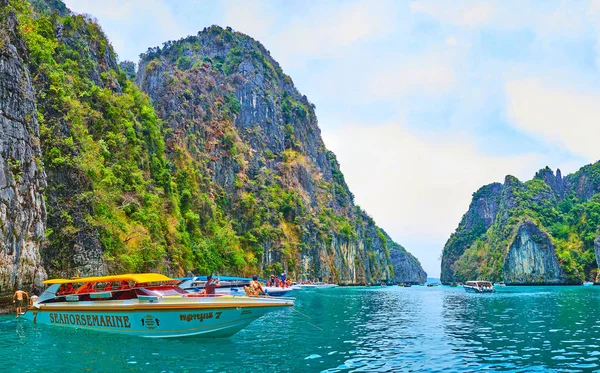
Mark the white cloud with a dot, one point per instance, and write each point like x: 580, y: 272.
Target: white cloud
x: 255, y: 19
x: 133, y: 26
x: 415, y: 77
x: 451, y: 41
x: 561, y: 116
x: 325, y: 31
x: 419, y: 185
x: 466, y: 13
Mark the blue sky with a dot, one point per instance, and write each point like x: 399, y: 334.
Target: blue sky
x: 422, y: 101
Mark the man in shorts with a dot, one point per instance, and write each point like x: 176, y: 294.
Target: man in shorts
x: 18, y: 300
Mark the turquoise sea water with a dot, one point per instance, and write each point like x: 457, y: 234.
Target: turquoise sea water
x: 348, y: 330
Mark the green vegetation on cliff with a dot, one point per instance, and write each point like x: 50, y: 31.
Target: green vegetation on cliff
x: 565, y: 209
x: 211, y: 161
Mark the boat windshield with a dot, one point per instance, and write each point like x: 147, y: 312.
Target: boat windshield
x: 163, y: 290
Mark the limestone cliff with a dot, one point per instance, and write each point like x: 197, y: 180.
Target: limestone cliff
x: 224, y: 171
x: 482, y: 213
x: 543, y: 231
x: 234, y: 114
x: 22, y: 179
x: 407, y: 268
x: 531, y: 258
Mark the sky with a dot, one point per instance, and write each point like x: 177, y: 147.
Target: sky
x: 423, y: 102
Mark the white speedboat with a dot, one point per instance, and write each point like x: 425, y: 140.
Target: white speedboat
x: 318, y: 285
x: 147, y: 305
x: 276, y: 291
x: 479, y: 287
x: 231, y: 286
x: 227, y: 285
x: 588, y: 283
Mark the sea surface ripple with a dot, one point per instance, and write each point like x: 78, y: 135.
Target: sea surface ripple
x: 393, y: 329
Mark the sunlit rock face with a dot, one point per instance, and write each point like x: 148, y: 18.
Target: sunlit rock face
x: 221, y: 84
x: 531, y: 258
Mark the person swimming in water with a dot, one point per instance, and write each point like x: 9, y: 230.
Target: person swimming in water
x: 18, y: 300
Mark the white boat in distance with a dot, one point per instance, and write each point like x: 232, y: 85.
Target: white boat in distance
x: 146, y: 305
x: 276, y: 291
x: 479, y: 287
x: 318, y: 285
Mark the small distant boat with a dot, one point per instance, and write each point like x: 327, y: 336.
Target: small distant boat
x: 407, y: 285
x: 429, y: 285
x: 383, y: 284
x: 500, y: 284
x: 479, y: 287
x: 588, y: 283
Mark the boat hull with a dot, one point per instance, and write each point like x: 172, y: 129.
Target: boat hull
x: 155, y: 320
x: 473, y: 289
x: 279, y: 292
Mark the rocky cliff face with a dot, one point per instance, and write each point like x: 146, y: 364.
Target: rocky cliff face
x: 407, y: 268
x: 22, y: 179
x: 234, y: 179
x: 482, y: 213
x: 540, y: 231
x: 241, y: 121
x: 531, y: 258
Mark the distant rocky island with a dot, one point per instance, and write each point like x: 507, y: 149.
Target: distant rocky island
x: 204, y: 159
x: 542, y: 231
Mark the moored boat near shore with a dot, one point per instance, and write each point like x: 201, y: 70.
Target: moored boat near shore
x: 147, y: 305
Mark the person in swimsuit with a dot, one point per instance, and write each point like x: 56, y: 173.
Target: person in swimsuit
x: 256, y: 286
x: 18, y: 300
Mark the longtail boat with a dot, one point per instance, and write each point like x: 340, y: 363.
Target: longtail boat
x: 147, y: 305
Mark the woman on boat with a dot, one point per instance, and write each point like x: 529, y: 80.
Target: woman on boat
x: 256, y: 287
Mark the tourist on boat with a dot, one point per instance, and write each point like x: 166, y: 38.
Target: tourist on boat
x: 108, y: 287
x: 18, y: 301
x: 87, y: 288
x: 210, y: 286
x: 124, y: 285
x: 271, y: 282
x: 36, y: 291
x: 69, y: 289
x: 283, y: 277
x: 256, y: 287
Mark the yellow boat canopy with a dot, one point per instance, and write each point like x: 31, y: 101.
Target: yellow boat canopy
x: 140, y: 278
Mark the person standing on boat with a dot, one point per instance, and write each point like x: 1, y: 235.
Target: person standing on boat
x: 283, y: 278
x: 35, y: 294
x: 18, y: 300
x: 210, y: 286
